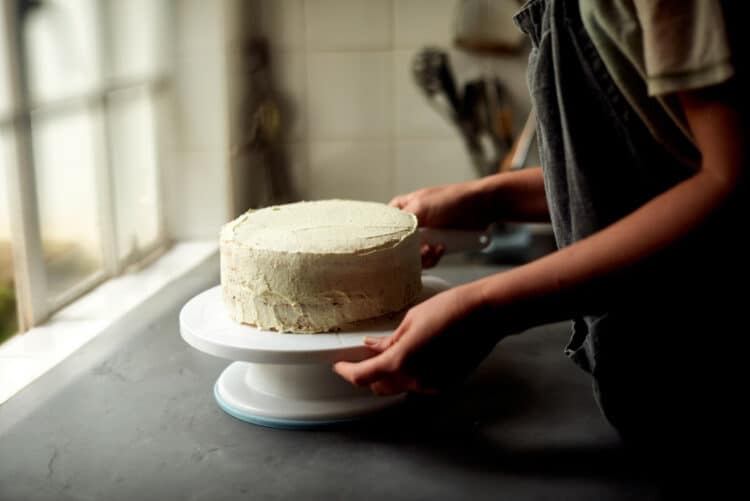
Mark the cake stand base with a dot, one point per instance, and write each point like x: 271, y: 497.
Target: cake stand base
x: 253, y: 393
x: 285, y: 380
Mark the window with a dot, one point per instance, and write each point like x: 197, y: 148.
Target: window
x: 8, y: 320
x: 81, y: 82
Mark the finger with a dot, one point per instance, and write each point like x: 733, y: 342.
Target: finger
x: 431, y: 254
x: 439, y: 251
x: 378, y: 367
x: 399, y: 201
x: 363, y: 373
x: 436, y: 250
x: 378, y: 343
x: 409, y: 203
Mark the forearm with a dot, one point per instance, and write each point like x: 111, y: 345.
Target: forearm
x: 563, y: 284
x: 559, y: 286
x: 449, y: 329
x: 516, y: 196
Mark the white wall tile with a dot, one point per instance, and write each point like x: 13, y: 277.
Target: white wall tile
x: 415, y: 116
x: 424, y: 22
x: 283, y: 23
x: 201, y: 94
x: 198, y: 27
x: 355, y: 170
x: 198, y: 195
x: 422, y: 163
x: 289, y: 78
x: 350, y: 95
x: 349, y: 24
x: 295, y: 156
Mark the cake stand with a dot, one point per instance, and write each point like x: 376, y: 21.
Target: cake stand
x: 285, y: 380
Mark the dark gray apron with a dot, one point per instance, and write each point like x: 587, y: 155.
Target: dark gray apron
x: 655, y: 338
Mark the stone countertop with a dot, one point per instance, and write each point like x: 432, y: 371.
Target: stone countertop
x: 139, y: 421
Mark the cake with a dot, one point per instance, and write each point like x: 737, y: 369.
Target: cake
x: 319, y: 266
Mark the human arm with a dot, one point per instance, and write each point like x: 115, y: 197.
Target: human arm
x: 549, y: 289
x: 507, y: 196
x: 475, y: 204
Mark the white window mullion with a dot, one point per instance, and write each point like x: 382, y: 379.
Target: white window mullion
x: 29, y: 272
x: 105, y: 190
x: 156, y: 93
x: 104, y: 175
x: 28, y: 259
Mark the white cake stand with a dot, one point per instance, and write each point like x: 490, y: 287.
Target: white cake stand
x: 285, y: 380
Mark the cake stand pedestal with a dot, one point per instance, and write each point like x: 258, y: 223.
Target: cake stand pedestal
x: 285, y: 380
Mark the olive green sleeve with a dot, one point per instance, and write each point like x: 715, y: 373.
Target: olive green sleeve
x: 685, y: 44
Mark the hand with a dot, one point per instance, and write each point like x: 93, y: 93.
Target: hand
x: 438, y: 342
x: 448, y: 206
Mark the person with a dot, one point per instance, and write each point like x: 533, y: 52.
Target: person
x: 642, y: 143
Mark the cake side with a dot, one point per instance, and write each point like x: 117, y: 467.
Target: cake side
x: 321, y: 289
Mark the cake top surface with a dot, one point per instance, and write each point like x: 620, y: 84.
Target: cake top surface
x: 324, y: 226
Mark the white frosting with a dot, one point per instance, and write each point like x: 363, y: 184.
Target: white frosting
x: 317, y: 266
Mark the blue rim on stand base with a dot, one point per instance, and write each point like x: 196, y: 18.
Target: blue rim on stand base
x: 271, y: 422
x: 268, y: 403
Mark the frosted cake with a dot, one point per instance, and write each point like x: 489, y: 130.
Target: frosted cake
x: 318, y: 266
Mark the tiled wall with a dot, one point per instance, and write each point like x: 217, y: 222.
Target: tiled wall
x: 197, y: 180
x: 356, y: 126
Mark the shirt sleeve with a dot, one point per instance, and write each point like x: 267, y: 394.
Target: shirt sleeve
x: 685, y: 44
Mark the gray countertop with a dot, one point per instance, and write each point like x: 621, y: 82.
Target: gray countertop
x: 140, y: 422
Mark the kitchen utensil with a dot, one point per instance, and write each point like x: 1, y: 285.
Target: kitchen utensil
x: 455, y: 240
x: 481, y: 110
x: 518, y: 154
x: 433, y: 75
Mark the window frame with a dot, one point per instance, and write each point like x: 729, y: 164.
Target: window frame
x: 29, y: 270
